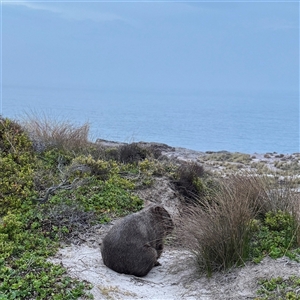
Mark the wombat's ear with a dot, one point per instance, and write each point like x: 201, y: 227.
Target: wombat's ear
x: 158, y: 209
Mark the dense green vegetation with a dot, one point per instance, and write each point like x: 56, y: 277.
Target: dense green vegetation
x: 39, y: 189
x: 279, y: 288
x: 276, y: 236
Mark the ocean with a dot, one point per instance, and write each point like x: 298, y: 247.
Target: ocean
x: 205, y: 121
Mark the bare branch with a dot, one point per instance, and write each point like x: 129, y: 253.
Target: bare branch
x: 65, y: 184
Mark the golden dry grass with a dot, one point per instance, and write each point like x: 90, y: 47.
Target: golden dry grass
x: 47, y: 132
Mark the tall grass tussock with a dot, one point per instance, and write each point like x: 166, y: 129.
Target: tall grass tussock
x: 221, y: 229
x: 46, y: 132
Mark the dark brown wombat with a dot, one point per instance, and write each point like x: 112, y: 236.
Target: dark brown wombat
x: 133, y: 245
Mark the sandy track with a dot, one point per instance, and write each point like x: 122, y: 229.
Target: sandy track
x: 174, y: 279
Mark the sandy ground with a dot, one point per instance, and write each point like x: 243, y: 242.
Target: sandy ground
x: 163, y: 282
x: 176, y: 278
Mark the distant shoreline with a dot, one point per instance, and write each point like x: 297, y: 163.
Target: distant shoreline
x: 182, y: 150
x: 224, y: 161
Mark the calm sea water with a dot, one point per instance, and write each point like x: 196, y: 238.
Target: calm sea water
x: 261, y: 122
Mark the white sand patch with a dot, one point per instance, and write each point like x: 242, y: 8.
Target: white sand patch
x: 168, y: 281
x: 176, y: 278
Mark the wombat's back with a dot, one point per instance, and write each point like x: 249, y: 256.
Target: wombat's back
x: 134, y: 244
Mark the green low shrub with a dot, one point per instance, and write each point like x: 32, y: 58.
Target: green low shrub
x: 25, y: 272
x: 32, y: 277
x: 98, y: 168
x: 279, y: 288
x: 111, y: 197
x: 13, y: 139
x: 275, y: 236
x: 83, y: 189
x: 17, y: 164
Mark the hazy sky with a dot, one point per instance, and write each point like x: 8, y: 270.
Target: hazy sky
x: 151, y: 46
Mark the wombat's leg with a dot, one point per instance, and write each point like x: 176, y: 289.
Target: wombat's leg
x: 159, y: 248
x: 147, y: 261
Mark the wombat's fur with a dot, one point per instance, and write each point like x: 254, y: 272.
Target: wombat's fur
x: 133, y: 245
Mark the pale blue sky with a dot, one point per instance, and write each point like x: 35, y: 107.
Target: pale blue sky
x: 152, y: 46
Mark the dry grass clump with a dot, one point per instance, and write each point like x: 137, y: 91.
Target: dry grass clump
x: 131, y: 153
x: 291, y: 165
x: 282, y: 194
x: 188, y: 180
x: 218, y: 230
x: 52, y: 133
x: 225, y: 156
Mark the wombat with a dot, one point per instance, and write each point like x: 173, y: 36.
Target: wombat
x: 134, y: 244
